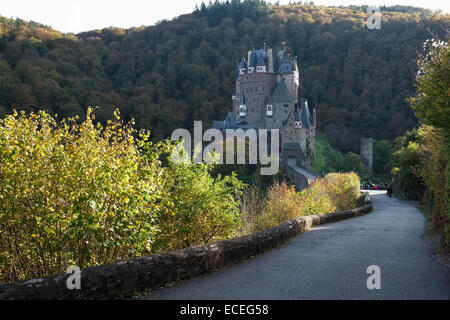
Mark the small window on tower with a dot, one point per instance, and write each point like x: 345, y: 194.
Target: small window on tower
x: 270, y: 110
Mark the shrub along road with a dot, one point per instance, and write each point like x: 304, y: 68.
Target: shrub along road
x: 330, y: 262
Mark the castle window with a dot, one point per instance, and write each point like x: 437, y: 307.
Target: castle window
x: 270, y: 110
x: 242, y: 110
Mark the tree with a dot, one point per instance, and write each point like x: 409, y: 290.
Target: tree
x: 352, y: 162
x: 432, y: 102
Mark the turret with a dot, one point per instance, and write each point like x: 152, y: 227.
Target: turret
x: 261, y: 66
x: 242, y: 67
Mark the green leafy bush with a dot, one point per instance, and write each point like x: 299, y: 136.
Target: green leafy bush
x: 80, y: 193
x: 201, y: 208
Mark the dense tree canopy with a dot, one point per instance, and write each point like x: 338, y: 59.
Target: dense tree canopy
x: 169, y: 74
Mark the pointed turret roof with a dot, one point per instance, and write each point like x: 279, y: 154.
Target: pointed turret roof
x: 283, y: 63
x: 281, y: 93
x: 243, y: 63
x: 242, y: 99
x: 261, y: 60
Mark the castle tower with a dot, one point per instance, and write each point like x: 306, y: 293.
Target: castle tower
x: 366, y: 155
x: 267, y: 98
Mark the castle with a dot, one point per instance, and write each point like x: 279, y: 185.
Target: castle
x: 267, y: 98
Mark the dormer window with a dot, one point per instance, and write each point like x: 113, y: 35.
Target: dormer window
x: 251, y: 69
x: 269, y: 110
x: 242, y: 110
x: 297, y: 124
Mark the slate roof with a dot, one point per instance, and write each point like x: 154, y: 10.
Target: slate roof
x: 281, y: 93
x: 283, y: 63
x: 242, y: 99
x: 292, y: 146
x: 257, y: 57
x: 305, y: 115
x: 231, y: 122
x: 243, y: 63
x: 261, y: 60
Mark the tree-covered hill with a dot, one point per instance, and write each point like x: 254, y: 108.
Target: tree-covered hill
x: 170, y: 74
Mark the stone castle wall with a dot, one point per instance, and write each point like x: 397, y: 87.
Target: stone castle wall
x: 366, y: 154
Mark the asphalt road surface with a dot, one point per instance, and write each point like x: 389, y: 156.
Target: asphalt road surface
x: 331, y: 261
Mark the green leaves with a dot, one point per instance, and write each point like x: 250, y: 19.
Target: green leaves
x: 80, y: 193
x: 432, y: 102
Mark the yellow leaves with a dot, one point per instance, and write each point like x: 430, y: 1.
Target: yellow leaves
x: 73, y: 186
x: 116, y: 114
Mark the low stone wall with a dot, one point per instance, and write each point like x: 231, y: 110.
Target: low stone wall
x: 120, y: 279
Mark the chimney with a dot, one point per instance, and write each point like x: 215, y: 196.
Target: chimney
x: 248, y: 59
x: 269, y: 53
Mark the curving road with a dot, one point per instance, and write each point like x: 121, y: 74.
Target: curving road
x: 330, y: 262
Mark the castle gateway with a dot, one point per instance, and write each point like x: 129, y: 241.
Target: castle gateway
x: 267, y: 98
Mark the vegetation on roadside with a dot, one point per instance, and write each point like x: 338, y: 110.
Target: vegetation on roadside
x: 421, y: 160
x: 75, y: 192
x: 329, y: 159
x: 334, y: 192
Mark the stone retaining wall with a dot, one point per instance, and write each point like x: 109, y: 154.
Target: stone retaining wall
x: 120, y: 279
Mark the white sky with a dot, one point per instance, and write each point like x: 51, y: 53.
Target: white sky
x: 84, y: 15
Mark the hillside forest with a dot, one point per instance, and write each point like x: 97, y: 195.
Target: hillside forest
x: 167, y: 75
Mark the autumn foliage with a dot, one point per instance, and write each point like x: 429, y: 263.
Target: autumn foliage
x: 334, y: 192
x: 79, y: 193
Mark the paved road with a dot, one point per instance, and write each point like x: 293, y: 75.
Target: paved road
x: 330, y: 262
